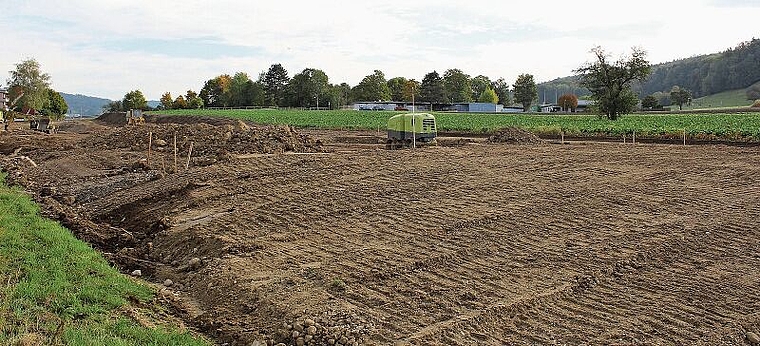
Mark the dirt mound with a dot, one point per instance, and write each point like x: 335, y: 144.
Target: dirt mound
x: 191, y: 119
x: 113, y: 118
x: 514, y: 135
x: 208, y: 141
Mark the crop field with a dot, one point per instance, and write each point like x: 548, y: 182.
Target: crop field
x: 267, y: 235
x: 720, y: 126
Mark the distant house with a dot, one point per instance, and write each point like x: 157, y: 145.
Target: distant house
x: 390, y: 106
x: 3, y: 99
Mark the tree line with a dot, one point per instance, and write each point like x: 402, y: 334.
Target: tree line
x: 311, y: 88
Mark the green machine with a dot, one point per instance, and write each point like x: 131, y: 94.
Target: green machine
x: 406, y: 130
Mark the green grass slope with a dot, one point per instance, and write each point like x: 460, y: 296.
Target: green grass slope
x: 56, y: 290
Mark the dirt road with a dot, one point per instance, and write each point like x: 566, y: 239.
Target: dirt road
x: 477, y: 244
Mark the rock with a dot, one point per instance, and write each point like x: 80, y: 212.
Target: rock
x: 160, y: 142
x: 300, y: 342
x: 311, y: 330
x: 753, y: 338
x: 70, y: 200
x: 168, y: 282
x: 194, y: 263
x: 309, y: 322
x: 137, y: 273
x: 299, y: 327
x: 295, y: 334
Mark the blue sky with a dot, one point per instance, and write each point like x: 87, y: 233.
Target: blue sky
x: 107, y: 48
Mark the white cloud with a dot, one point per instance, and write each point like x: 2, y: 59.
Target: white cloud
x: 74, y: 40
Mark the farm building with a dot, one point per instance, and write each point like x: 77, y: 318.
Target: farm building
x: 390, y: 106
x: 478, y: 107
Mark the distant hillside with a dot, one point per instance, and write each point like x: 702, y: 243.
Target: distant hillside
x: 88, y: 105
x: 84, y: 105
x: 735, y: 68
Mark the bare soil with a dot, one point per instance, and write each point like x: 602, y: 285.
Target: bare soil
x: 273, y: 236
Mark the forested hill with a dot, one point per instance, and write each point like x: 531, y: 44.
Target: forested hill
x: 84, y: 105
x: 735, y: 68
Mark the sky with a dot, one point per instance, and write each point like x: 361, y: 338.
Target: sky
x: 106, y: 48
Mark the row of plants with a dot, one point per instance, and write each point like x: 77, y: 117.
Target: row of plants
x: 727, y: 126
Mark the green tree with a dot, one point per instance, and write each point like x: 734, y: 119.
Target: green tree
x: 373, y: 87
x: 568, y: 102
x: 650, y: 102
x: 525, y: 90
x: 134, y: 100
x: 254, y: 94
x: 396, y: 88
x: 479, y: 84
x: 308, y: 88
x: 457, y: 86
x: 180, y: 103
x: 275, y: 81
x: 193, y: 100
x: 501, y: 87
x: 56, y: 106
x: 238, y: 90
x: 610, y: 82
x: 679, y: 96
x: 216, y: 91
x: 488, y: 96
x: 432, y: 89
x: 113, y: 106
x: 28, y: 79
x: 166, y: 101
x: 340, y: 95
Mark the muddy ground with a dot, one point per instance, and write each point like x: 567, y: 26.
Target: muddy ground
x: 274, y: 235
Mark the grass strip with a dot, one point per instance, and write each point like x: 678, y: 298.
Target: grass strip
x: 57, y: 290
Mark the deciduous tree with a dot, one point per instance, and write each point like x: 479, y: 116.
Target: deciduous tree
x: 457, y: 86
x: 679, y: 96
x: 29, y: 79
x: 166, y: 101
x: 568, y: 102
x: 373, y: 87
x: 525, y: 90
x: 501, y: 87
x: 650, y: 102
x: 411, y: 91
x: 488, y: 96
x: 193, y: 100
x: 180, y: 103
x: 479, y: 84
x: 432, y: 89
x: 610, y: 82
x: 308, y: 88
x: 56, y: 106
x: 134, y: 100
x: 396, y: 88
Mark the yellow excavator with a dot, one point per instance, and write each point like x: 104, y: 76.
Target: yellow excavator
x: 135, y: 117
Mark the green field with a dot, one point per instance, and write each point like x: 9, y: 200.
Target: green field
x: 726, y: 99
x: 735, y: 127
x: 57, y: 290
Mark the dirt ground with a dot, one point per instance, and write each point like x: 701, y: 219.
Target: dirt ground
x: 273, y: 235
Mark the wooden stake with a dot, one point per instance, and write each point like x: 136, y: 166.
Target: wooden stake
x: 150, y: 143
x: 563, y: 137
x: 175, y: 152
x: 634, y: 136
x: 189, y: 153
x: 684, y: 137
x: 624, y: 138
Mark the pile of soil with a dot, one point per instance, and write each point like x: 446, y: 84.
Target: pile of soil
x: 207, y: 140
x: 113, y: 118
x: 514, y: 135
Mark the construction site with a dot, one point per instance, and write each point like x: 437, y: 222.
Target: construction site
x: 266, y: 235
